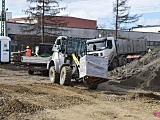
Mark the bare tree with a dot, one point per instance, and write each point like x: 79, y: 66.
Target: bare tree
x: 44, y: 12
x: 122, y: 13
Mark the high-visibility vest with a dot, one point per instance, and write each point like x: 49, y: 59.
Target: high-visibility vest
x: 149, y: 50
x: 28, y: 52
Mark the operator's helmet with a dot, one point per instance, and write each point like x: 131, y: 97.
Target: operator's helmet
x: 27, y: 47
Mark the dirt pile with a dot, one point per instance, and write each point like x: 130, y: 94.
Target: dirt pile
x: 143, y: 73
x: 16, y: 106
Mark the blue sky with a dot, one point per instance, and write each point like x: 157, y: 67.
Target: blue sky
x: 100, y: 10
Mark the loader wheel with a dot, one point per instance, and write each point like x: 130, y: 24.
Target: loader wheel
x: 65, y: 75
x: 30, y: 72
x: 92, y: 86
x: 53, y: 75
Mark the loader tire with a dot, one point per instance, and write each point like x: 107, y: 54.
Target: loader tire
x: 53, y: 75
x: 30, y: 72
x: 92, y: 86
x: 65, y: 76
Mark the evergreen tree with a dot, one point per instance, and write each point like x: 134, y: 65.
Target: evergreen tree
x: 44, y: 12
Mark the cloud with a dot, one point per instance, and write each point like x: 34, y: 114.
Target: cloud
x: 89, y: 9
x: 144, y: 6
x: 94, y: 9
x: 16, y: 7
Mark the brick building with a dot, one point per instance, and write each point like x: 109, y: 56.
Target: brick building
x: 75, y: 27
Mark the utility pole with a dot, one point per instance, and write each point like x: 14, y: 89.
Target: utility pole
x: 3, y: 18
x: 41, y: 28
x: 42, y: 22
x: 117, y: 19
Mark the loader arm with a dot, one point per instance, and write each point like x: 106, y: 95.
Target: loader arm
x: 76, y: 61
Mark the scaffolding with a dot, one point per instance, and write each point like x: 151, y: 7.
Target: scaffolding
x: 3, y: 18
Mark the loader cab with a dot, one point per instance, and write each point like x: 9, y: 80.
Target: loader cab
x: 70, y: 45
x: 59, y: 45
x: 76, y: 46
x: 60, y: 40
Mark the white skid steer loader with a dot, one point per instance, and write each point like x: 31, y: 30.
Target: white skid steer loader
x: 70, y: 61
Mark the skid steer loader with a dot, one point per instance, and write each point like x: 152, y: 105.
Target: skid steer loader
x: 65, y: 62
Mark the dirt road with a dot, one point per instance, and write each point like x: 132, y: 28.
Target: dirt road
x: 33, y: 97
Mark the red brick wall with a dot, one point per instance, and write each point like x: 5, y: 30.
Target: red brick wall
x: 71, y: 21
x: 75, y: 22
x: 81, y: 23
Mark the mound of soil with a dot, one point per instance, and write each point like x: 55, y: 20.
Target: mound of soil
x: 142, y: 73
x: 16, y: 106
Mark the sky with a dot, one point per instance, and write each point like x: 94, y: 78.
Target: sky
x: 100, y: 10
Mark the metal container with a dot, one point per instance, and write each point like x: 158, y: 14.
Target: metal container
x: 125, y: 46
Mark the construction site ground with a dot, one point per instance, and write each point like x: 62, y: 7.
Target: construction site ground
x: 33, y: 97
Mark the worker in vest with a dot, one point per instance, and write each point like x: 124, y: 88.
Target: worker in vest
x: 28, y: 51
